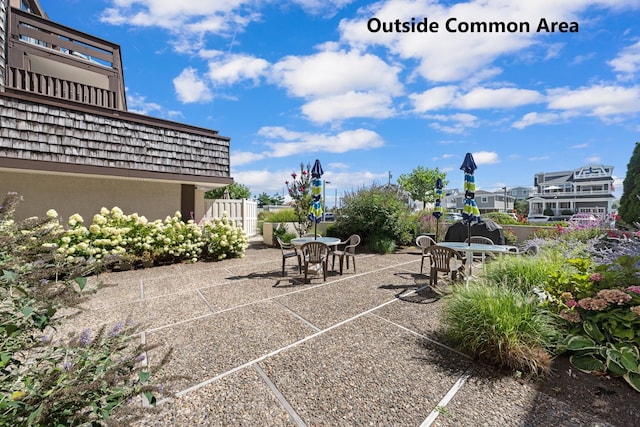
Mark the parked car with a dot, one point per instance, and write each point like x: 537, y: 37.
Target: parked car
x: 585, y: 219
x: 329, y: 217
x: 453, y: 217
x: 537, y: 218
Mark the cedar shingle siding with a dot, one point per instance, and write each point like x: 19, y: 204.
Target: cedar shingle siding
x: 48, y: 133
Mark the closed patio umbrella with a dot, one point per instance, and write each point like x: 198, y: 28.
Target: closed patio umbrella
x: 437, y: 209
x: 315, y: 210
x: 470, y: 212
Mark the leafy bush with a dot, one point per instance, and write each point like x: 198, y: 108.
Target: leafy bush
x: 382, y: 245
x: 224, y: 239
x: 501, y: 325
x: 375, y: 211
x: 500, y: 218
x: 283, y: 215
x: 523, y: 272
x: 112, y: 234
x: 46, y: 381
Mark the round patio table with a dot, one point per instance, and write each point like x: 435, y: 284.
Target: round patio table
x: 329, y: 241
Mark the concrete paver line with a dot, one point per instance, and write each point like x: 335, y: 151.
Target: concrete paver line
x: 447, y: 398
x: 285, y: 403
x: 296, y: 315
x: 205, y: 300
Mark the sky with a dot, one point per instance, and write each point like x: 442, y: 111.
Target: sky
x: 362, y: 87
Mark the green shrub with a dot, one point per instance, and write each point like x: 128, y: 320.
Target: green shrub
x: 523, y: 272
x: 501, y: 325
x: 45, y: 381
x: 500, y: 218
x: 373, y: 211
x: 283, y: 215
x: 382, y: 245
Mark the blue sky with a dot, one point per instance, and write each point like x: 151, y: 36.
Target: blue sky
x: 292, y: 81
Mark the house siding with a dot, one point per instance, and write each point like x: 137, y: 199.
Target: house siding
x: 3, y: 43
x: 46, y: 133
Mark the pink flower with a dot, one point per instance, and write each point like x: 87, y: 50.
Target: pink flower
x: 293, y: 175
x: 286, y: 182
x: 634, y: 289
x: 596, y: 277
x: 571, y: 303
x: 301, y: 188
x: 304, y: 172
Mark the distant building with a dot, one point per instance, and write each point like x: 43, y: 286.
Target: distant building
x: 588, y: 189
x: 487, y: 201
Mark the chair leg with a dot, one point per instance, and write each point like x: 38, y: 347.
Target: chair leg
x: 283, y: 260
x: 341, y: 264
x: 354, y: 264
x: 324, y: 270
x: 421, y: 264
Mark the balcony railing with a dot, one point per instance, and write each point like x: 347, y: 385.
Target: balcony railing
x: 570, y: 194
x: 49, y: 59
x: 40, y: 84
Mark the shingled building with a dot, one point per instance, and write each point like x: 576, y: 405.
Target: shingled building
x: 67, y: 141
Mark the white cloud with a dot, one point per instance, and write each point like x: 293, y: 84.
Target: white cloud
x: 627, y: 63
x: 602, y: 100
x: 234, y: 68
x: 434, y: 99
x: 454, y: 123
x: 535, y: 118
x: 332, y: 73
x: 579, y: 146
x: 486, y: 157
x: 242, y: 157
x: 191, y: 88
x: 594, y: 159
x: 295, y: 143
x: 498, y: 98
x: 139, y: 104
x: 538, y: 158
x: 349, y: 105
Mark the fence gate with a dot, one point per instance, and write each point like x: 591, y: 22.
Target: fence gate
x: 241, y: 213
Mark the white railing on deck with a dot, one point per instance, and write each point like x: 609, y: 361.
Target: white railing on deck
x: 241, y: 213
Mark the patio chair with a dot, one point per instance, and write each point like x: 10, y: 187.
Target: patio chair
x: 348, y: 251
x: 288, y: 251
x: 481, y: 240
x: 423, y: 242
x: 311, y: 235
x: 314, y: 255
x: 441, y: 261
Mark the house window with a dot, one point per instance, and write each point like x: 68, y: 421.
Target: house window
x: 484, y: 199
x: 25, y: 6
x: 514, y: 192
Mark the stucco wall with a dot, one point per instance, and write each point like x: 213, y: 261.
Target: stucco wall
x: 83, y: 195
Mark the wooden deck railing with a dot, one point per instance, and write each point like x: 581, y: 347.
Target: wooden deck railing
x: 40, y: 84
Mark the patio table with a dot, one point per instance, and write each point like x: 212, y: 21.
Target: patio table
x: 329, y: 241
x: 470, y: 249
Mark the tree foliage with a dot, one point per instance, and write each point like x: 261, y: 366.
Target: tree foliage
x: 421, y: 183
x: 264, y: 199
x: 300, y: 191
x: 629, y: 202
x: 236, y: 192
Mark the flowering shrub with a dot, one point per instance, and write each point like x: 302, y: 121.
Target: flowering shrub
x: 223, y: 239
x: 46, y: 381
x: 300, y: 191
x: 113, y: 235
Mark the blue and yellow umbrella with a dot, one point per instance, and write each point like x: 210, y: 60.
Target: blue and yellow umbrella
x: 437, y: 209
x: 315, y: 210
x: 470, y: 212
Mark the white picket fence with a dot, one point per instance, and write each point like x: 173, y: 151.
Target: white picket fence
x: 241, y: 213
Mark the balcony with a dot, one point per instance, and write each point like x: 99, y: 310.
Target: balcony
x: 51, y: 60
x: 571, y: 194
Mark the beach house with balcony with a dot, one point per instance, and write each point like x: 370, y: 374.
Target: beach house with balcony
x: 587, y: 189
x: 67, y: 141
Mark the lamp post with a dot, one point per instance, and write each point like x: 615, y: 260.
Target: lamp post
x: 505, y: 199
x: 324, y: 201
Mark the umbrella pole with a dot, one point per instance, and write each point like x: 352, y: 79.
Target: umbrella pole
x: 315, y: 230
x: 469, y: 232
x: 437, y: 223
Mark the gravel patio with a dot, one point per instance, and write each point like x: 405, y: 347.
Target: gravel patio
x: 258, y: 349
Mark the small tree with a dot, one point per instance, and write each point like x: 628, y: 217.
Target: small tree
x: 236, y: 191
x: 421, y: 183
x: 300, y: 191
x: 629, y: 202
